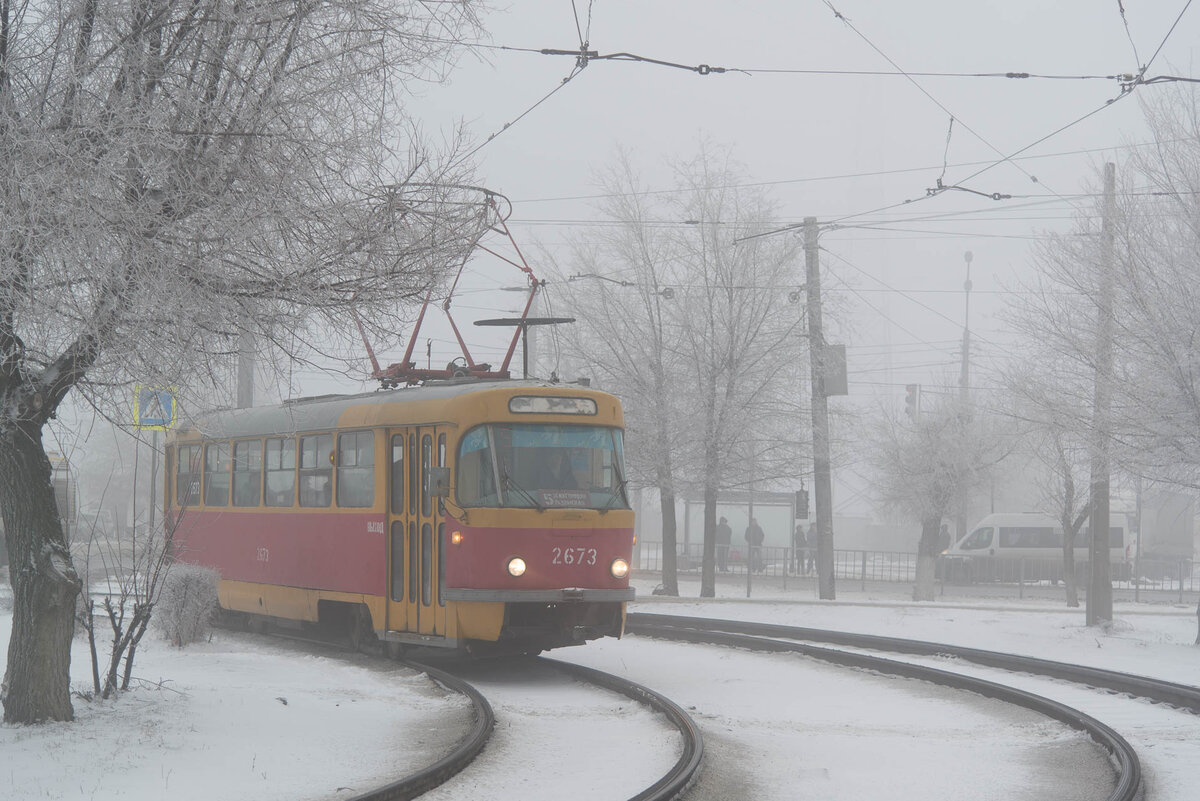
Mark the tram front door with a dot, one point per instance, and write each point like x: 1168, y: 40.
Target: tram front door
x: 416, y: 564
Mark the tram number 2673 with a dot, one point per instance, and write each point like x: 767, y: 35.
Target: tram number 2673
x: 574, y: 556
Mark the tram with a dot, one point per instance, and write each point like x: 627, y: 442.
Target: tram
x: 466, y: 514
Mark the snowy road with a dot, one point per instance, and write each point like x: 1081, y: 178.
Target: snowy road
x: 778, y: 726
x: 557, y: 738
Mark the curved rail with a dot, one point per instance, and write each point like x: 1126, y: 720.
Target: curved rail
x: 1182, y: 696
x: 467, y: 749
x: 685, y: 629
x: 687, y: 767
x: 439, y: 772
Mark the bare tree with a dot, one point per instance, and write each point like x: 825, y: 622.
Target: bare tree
x: 922, y: 466
x: 1051, y: 408
x: 131, y: 567
x: 174, y: 172
x: 694, y: 331
x: 740, y: 338
x: 625, y: 331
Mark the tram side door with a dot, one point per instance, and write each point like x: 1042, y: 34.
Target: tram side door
x: 399, y: 517
x: 427, y: 448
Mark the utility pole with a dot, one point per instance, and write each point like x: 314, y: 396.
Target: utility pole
x: 822, y: 489
x: 1099, y: 606
x: 245, y: 368
x: 960, y: 521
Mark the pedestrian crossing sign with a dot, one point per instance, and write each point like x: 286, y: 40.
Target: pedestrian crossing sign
x: 154, y: 409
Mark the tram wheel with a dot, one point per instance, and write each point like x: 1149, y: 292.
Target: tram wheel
x: 361, y: 630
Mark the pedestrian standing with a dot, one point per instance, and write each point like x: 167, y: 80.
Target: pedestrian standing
x: 810, y: 550
x: 754, y: 538
x: 724, y: 538
x: 798, y: 546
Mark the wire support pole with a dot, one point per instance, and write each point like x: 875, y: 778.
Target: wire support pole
x: 1099, y: 603
x: 822, y: 484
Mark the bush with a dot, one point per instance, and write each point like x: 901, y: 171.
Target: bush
x: 187, y: 604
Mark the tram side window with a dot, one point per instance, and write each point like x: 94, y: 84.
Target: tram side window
x: 441, y: 546
x: 356, y: 469
x: 426, y: 459
x: 187, y: 478
x: 281, y: 472
x: 216, y: 474
x: 247, y: 472
x: 397, y: 560
x: 316, y: 471
x: 397, y: 488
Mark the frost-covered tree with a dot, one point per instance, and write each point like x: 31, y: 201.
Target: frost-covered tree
x: 1050, y: 402
x: 690, y: 324
x: 922, y: 466
x: 175, y: 172
x: 626, y: 331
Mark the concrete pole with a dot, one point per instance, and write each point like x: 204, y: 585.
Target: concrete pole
x: 245, y: 369
x: 1099, y: 606
x: 964, y: 389
x: 822, y: 484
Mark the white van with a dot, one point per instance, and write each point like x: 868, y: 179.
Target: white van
x: 1011, y: 546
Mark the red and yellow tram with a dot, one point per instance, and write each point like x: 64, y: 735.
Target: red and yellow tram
x: 451, y: 514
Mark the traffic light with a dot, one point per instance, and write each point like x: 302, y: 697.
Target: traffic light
x: 801, y: 504
x: 912, y: 395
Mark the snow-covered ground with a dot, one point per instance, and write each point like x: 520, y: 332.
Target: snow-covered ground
x: 239, y: 716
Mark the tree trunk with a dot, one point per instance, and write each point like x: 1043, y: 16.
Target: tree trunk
x: 1068, y: 565
x: 927, y: 553
x: 670, y: 577
x: 708, y: 573
x: 37, y: 680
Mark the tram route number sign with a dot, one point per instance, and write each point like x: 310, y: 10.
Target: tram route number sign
x: 154, y: 408
x: 563, y: 497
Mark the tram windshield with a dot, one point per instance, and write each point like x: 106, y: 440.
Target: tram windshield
x: 530, y: 465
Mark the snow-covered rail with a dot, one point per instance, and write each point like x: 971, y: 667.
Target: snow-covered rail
x: 460, y: 756
x: 548, y: 741
x: 785, y: 639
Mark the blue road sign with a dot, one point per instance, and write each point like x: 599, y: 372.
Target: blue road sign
x: 155, y: 408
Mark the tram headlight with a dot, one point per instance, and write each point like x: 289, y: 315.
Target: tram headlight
x: 456, y: 538
x: 516, y: 567
x: 619, y: 568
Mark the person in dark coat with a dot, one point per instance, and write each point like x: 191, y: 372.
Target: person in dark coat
x: 798, y: 545
x: 724, y: 538
x: 754, y: 538
x: 810, y: 550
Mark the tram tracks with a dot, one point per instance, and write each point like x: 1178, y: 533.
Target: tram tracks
x: 788, y: 639
x: 669, y: 786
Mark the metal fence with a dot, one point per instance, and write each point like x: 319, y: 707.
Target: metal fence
x: 1157, y: 580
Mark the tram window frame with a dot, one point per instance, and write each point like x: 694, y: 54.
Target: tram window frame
x: 426, y: 461
x: 441, y: 462
x: 355, y: 478
x: 275, y: 467
x: 426, y: 564
x: 398, y: 561
x: 247, y: 482
x: 441, y: 562
x: 315, y: 473
x: 218, y: 474
x: 412, y: 474
x: 187, y: 483
x: 396, y: 497
x: 412, y: 561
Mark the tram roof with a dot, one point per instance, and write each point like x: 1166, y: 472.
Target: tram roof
x: 324, y: 412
